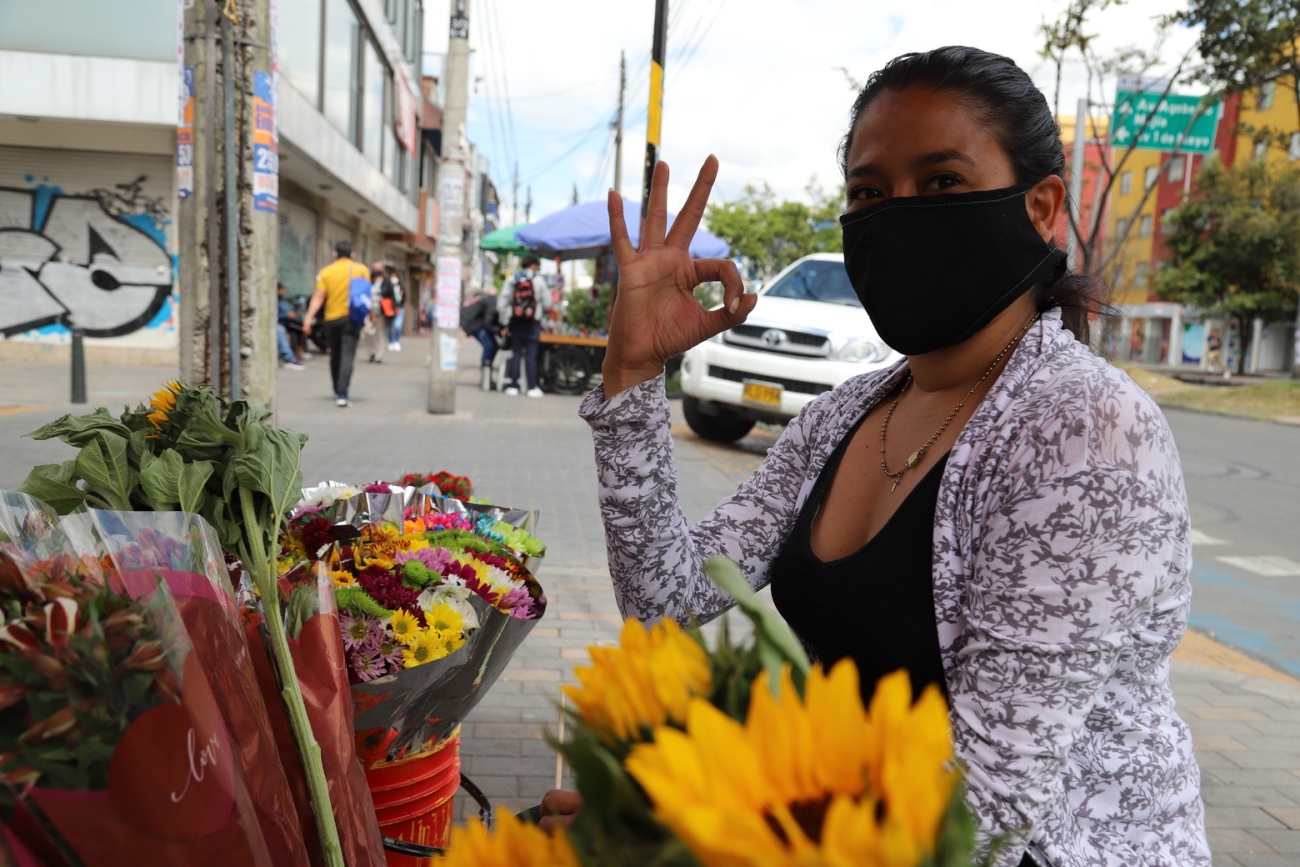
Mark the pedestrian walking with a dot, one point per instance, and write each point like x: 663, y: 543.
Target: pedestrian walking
x: 395, y: 309
x: 334, y: 294
x: 478, y: 319
x: 1035, y: 568
x: 521, y: 307
x: 375, y: 331
x: 286, y: 319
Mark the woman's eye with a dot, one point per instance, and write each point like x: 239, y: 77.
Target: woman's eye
x: 858, y: 194
x: 944, y: 182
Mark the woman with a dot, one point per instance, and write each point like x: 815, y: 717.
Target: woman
x: 1002, y: 513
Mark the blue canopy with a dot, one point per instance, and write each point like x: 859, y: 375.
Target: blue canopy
x: 581, y: 231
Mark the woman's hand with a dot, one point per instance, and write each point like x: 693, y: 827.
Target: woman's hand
x: 559, y: 808
x: 655, y: 315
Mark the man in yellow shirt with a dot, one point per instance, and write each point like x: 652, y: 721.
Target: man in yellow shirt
x: 341, y: 335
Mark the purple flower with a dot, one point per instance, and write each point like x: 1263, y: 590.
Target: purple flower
x: 518, y: 602
x: 358, y: 629
x: 367, y: 667
x: 435, y: 559
x: 390, y: 653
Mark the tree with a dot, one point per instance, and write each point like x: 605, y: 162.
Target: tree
x: 1236, y: 244
x: 772, y: 234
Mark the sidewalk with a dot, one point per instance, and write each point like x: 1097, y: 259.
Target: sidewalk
x: 521, y: 452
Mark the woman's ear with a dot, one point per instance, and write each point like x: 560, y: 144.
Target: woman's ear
x: 1045, y: 202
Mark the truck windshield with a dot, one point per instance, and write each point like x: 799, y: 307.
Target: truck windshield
x: 816, y: 280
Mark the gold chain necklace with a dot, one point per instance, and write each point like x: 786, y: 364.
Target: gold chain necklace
x: 914, y: 457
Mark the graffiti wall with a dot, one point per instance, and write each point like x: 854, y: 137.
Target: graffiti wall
x: 85, y: 242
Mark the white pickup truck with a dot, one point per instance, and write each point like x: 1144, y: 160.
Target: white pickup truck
x: 808, y: 333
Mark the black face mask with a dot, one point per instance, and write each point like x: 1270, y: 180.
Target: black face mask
x: 933, y: 270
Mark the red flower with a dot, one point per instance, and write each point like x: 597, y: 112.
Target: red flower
x: 147, y: 656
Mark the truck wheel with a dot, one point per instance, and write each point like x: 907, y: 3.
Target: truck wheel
x: 725, y: 427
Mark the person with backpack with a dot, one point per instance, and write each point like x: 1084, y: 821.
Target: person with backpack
x: 375, y: 331
x: 521, y: 307
x: 343, y: 290
x: 478, y: 319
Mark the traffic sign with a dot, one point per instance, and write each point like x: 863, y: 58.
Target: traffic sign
x: 1160, y: 124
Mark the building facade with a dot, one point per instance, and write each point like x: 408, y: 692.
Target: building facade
x: 89, y: 110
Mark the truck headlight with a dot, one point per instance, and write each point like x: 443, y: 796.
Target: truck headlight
x: 860, y: 350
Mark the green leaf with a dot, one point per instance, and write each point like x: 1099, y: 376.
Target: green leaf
x: 55, y: 485
x: 775, y: 644
x: 103, y: 464
x: 161, y: 479
x: 194, y: 476
x: 79, y: 429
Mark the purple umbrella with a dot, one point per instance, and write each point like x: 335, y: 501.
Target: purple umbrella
x: 582, y: 231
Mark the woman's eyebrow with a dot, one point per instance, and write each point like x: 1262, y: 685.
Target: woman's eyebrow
x: 867, y: 170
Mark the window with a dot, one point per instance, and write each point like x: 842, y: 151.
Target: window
x: 1140, y: 274
x: 373, y: 77
x: 1126, y: 183
x: 1144, y: 226
x: 1266, y: 92
x: 299, y: 46
x: 1261, y: 149
x: 1121, y: 228
x: 1166, y: 221
x: 1176, y: 165
x: 342, y: 41
x: 1293, y: 150
x: 1149, y: 179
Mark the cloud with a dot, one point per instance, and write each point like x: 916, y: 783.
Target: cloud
x: 756, y: 82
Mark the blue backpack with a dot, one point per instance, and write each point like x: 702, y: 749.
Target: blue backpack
x: 359, y: 300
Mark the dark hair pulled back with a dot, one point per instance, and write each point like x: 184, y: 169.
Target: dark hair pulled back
x: 1005, y: 99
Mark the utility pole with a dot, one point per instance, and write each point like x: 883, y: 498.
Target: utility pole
x: 227, y: 232
x: 444, y: 357
x: 655, y: 120
x: 528, y: 205
x: 618, y: 124
x: 1076, y: 185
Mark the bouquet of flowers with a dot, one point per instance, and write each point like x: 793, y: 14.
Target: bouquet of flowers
x: 111, y: 741
x: 448, y: 485
x: 192, y: 451
x: 432, y: 605
x: 743, y: 756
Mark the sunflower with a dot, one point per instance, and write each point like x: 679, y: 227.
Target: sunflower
x: 163, y: 402
x: 343, y: 578
x: 817, y: 781
x: 647, y: 681
x: 514, y: 843
x: 406, y: 628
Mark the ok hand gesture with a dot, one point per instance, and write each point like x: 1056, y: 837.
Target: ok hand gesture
x: 655, y: 315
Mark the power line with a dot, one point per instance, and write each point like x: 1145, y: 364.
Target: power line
x: 505, y: 80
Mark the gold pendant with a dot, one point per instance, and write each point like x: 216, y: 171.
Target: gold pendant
x: 911, y: 459
x: 895, y: 487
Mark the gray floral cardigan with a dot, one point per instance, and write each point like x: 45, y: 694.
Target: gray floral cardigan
x: 1061, y: 559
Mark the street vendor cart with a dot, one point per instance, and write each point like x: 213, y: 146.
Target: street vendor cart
x: 567, y: 362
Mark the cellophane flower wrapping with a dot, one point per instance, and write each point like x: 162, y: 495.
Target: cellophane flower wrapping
x: 433, y: 605
x: 182, y: 550
x: 312, y: 623
x: 112, y: 745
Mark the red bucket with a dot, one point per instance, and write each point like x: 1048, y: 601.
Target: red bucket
x: 414, y: 797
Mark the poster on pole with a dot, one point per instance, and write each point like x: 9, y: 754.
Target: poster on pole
x: 448, y: 297
x: 185, y: 135
x: 451, y: 202
x: 266, y: 157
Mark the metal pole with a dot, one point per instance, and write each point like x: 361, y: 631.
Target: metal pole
x: 213, y: 377
x: 1076, y: 183
x: 618, y: 125
x: 655, y: 119
x: 78, y: 366
x: 231, y: 179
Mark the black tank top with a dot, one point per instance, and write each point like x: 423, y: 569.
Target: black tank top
x: 877, y: 604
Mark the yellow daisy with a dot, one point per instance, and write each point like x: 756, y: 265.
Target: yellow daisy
x: 343, y: 578
x: 512, y: 843
x: 445, y: 643
x: 426, y: 649
x: 443, y: 618
x: 647, y: 681
x: 406, y: 629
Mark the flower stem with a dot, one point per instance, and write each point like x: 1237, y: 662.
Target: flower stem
x: 317, y: 787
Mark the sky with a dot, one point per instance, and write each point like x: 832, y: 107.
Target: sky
x: 757, y: 82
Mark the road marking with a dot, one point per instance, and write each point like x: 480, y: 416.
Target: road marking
x: 16, y: 410
x: 1271, y: 567
x: 1199, y: 538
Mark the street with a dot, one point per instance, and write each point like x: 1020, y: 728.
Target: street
x: 1242, y: 477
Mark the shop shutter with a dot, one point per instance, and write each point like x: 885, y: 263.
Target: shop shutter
x: 298, y: 264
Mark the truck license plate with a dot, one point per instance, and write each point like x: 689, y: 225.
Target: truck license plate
x: 761, y: 393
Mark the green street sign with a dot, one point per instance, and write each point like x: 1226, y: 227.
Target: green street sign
x: 1166, y: 122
